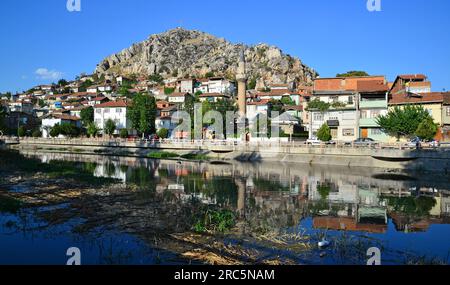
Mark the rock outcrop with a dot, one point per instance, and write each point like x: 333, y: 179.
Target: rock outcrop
x: 185, y: 53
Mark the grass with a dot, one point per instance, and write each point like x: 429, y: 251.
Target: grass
x: 162, y: 155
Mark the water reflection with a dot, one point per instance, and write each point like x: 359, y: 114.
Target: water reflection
x: 275, y: 197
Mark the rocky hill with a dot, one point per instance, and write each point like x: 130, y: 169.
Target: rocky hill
x: 185, y: 53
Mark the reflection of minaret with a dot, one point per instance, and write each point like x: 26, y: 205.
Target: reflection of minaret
x: 241, y: 78
x: 241, y: 185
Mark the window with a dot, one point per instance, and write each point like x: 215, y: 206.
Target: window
x: 318, y: 117
x: 350, y: 100
x: 118, y: 110
x: 376, y: 113
x: 334, y: 99
x: 364, y: 114
x: 376, y: 132
x: 348, y: 132
x: 448, y: 111
x: 106, y: 111
x: 98, y: 111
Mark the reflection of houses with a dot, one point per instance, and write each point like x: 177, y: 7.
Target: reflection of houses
x: 347, y: 224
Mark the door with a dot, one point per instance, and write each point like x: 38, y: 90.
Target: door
x: 364, y: 133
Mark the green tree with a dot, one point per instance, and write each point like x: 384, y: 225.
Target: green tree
x: 209, y: 74
x: 55, y: 131
x: 36, y: 133
x: 324, y: 133
x: 123, y: 133
x: 317, y: 104
x: 427, y: 129
x: 85, y: 85
x: 110, y: 127
x: 352, y: 73
x: 163, y: 133
x: 22, y: 131
x: 142, y: 114
x: 92, y: 130
x: 2, y: 119
x: 87, y: 116
x: 287, y: 101
x: 62, y: 82
x: 403, y: 121
x: 156, y: 78
x: 169, y: 90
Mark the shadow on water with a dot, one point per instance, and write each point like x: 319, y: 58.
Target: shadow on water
x: 266, y: 211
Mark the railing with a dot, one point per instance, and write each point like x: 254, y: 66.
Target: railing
x: 209, y: 144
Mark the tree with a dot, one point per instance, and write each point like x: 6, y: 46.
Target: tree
x: 156, y: 78
x: 287, y: 101
x: 142, y: 114
x: 21, y: 132
x: 110, y: 127
x: 319, y: 105
x: 62, y: 82
x: 87, y: 116
x: 92, y: 130
x: 427, y: 129
x: 36, y: 133
x: 163, y: 133
x: 352, y: 73
x: 123, y: 133
x: 55, y: 131
x: 324, y: 133
x: 2, y: 118
x: 403, y: 121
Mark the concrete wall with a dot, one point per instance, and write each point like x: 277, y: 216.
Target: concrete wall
x: 437, y: 161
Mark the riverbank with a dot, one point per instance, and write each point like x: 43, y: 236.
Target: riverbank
x: 400, y: 159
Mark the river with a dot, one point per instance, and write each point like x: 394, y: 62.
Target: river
x: 280, y: 212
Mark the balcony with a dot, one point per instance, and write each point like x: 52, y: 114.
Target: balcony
x: 369, y: 104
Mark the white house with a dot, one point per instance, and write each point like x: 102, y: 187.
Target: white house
x: 177, y: 97
x: 49, y: 121
x: 165, y: 123
x: 257, y: 108
x: 114, y: 110
x: 213, y: 97
x: 221, y: 85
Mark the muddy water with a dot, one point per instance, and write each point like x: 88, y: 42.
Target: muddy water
x: 280, y: 213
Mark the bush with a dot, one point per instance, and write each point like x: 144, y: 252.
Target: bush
x: 163, y: 133
x: 36, y: 134
x: 324, y: 133
x: 21, y: 132
x: 123, y: 133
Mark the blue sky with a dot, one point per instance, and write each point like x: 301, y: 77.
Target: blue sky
x: 42, y: 41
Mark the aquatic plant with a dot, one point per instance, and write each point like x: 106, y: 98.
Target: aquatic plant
x: 215, y: 221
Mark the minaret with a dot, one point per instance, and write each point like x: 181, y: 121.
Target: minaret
x: 241, y: 78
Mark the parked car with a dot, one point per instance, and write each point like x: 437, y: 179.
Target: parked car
x: 414, y: 143
x: 364, y: 142
x: 432, y: 143
x: 313, y: 141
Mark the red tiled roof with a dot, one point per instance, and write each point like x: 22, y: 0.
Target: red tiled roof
x: 446, y: 98
x: 412, y: 76
x: 424, y: 98
x: 65, y: 117
x: 112, y: 104
x: 178, y: 94
x: 213, y: 95
x: 259, y: 103
x: 276, y: 92
x: 372, y: 86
